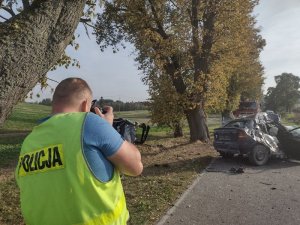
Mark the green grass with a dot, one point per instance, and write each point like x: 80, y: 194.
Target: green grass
x: 140, y: 116
x: 24, y: 117
x: 291, y: 119
x: 9, y: 194
x: 10, y: 212
x: 148, y: 196
x: 9, y: 150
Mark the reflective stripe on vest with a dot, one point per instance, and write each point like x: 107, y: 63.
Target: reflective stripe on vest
x: 56, y: 185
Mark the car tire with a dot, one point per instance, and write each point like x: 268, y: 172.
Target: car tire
x: 259, y: 155
x: 226, y: 155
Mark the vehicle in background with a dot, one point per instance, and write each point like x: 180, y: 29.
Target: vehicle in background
x: 247, y: 108
x: 258, y: 137
x: 274, y: 116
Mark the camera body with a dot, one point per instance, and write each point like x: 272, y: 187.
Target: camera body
x: 96, y: 104
x: 125, y: 128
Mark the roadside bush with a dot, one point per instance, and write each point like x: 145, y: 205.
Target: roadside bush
x: 296, y: 113
x: 46, y: 101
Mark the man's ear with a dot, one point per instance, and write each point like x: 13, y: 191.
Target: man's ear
x: 85, y: 106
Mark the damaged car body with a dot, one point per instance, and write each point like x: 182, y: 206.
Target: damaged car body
x: 257, y: 136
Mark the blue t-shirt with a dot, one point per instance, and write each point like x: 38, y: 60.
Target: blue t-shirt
x: 100, y: 140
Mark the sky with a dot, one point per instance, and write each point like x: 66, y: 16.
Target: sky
x: 280, y: 22
x: 115, y: 76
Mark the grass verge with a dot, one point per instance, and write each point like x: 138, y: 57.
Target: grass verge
x: 170, y: 166
x: 9, y: 193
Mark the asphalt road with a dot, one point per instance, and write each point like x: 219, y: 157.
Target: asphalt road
x: 266, y: 195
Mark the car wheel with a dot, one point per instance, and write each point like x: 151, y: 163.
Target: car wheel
x: 226, y: 155
x: 259, y: 155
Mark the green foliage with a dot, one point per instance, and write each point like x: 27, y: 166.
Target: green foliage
x: 46, y: 101
x: 284, y: 96
x: 165, y: 104
x: 193, y: 53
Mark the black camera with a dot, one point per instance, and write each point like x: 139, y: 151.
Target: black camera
x: 96, y: 104
x: 124, y: 127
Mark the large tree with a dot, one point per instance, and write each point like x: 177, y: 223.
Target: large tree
x: 246, y: 79
x: 31, y: 43
x: 286, y: 93
x: 193, y: 45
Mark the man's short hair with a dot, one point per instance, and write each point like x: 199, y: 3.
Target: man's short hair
x: 70, y: 91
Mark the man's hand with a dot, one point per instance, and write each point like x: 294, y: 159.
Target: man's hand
x: 108, y: 115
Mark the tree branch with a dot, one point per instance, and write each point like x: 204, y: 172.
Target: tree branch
x: 26, y: 4
x: 156, y: 19
x: 174, y: 4
x: 3, y: 18
x: 85, y: 20
x: 85, y: 23
x: 52, y: 80
x: 9, y: 10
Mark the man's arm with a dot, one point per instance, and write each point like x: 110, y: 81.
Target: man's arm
x: 127, y: 159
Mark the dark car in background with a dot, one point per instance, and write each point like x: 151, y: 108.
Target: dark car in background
x: 257, y: 136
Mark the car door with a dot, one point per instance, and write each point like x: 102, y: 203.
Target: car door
x: 292, y: 147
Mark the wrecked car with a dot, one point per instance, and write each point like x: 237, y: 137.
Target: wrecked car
x: 257, y: 136
x: 289, y: 138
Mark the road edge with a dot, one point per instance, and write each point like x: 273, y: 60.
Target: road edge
x: 182, y: 197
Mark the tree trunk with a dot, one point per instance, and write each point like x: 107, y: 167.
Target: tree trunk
x: 201, y: 61
x: 30, y: 44
x: 177, y: 130
x: 197, y: 123
x: 227, y: 116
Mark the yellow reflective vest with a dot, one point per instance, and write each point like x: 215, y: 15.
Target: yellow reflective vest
x: 56, y: 185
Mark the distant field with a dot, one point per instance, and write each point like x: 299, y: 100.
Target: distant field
x: 292, y: 119
x: 24, y: 117
x: 140, y: 116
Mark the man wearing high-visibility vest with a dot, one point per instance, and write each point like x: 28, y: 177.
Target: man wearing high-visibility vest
x: 70, y: 164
